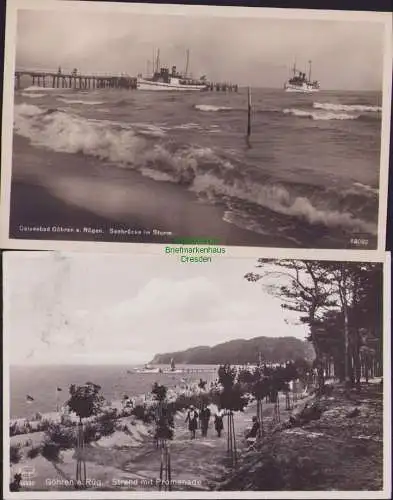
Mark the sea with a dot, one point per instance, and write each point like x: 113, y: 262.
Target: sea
x: 307, y: 177
x: 41, y: 383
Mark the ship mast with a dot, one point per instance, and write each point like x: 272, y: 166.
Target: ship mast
x: 309, y: 71
x: 294, y: 68
x: 187, y: 62
x: 158, y: 61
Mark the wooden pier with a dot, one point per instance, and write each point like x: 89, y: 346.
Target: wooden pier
x: 222, y: 87
x: 75, y: 81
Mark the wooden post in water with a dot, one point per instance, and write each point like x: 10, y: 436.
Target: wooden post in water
x: 249, y: 113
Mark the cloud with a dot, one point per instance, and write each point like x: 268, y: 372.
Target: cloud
x: 126, y: 308
x: 191, y: 298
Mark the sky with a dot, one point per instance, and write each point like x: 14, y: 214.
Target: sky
x: 123, y: 309
x: 346, y: 55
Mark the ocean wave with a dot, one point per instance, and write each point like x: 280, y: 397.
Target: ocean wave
x: 365, y: 188
x: 278, y: 199
x: 34, y: 88
x: 347, y: 107
x: 25, y: 109
x: 211, y: 107
x: 187, y: 126
x: 201, y: 169
x: 79, y: 101
x: 246, y: 221
x: 31, y: 95
x: 319, y: 115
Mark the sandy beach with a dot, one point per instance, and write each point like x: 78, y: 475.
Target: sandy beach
x: 130, y: 461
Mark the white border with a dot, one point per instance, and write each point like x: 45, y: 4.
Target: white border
x: 106, y: 495
x: 194, y: 11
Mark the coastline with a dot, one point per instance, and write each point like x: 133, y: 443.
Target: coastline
x: 70, y: 190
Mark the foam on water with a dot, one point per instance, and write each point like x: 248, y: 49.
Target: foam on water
x: 279, y: 199
x: 34, y: 88
x: 79, y: 101
x: 30, y: 95
x: 203, y: 170
x: 346, y: 107
x: 365, y: 188
x: 319, y: 115
x: 211, y: 108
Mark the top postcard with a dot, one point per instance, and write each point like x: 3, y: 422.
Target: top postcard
x: 248, y: 127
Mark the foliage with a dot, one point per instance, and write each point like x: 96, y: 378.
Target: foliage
x: 91, y: 431
x: 63, y: 437
x: 242, y: 351
x: 34, y: 452
x: 142, y: 413
x: 85, y: 400
x: 66, y: 421
x: 336, y: 300
x: 159, y: 391
x: 106, y: 422
x: 15, y: 454
x: 165, y: 425
x: 51, y: 451
x: 232, y: 396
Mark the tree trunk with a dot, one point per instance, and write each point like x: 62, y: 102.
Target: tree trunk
x: 318, y: 356
x: 366, y: 368
x: 347, y: 354
x: 357, y: 362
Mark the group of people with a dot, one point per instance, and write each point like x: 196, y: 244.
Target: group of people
x: 203, y: 418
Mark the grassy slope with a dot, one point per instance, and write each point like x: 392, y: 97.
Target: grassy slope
x: 340, y: 451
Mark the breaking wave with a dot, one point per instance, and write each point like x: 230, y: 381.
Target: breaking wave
x: 365, y: 188
x: 34, y: 88
x: 79, y: 101
x: 279, y: 199
x: 211, y: 175
x: 210, y: 107
x: 30, y: 94
x: 347, y: 107
x: 319, y: 115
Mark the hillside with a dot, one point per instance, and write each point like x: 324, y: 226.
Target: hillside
x: 242, y: 351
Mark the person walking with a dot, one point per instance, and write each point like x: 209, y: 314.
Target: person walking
x: 204, y: 417
x: 192, y: 419
x: 219, y: 423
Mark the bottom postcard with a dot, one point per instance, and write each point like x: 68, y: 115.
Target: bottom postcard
x: 131, y: 376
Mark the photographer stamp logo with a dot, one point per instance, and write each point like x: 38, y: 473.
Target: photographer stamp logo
x: 28, y: 473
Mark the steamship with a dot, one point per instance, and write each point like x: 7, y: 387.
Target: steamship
x: 163, y: 79
x: 300, y: 82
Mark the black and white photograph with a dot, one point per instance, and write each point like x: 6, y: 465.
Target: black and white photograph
x: 155, y: 123
x: 130, y: 376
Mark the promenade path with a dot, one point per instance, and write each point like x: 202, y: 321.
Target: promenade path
x: 131, y: 462
x: 203, y: 459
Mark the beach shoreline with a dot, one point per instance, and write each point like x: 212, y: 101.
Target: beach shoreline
x: 73, y: 191
x: 91, y: 200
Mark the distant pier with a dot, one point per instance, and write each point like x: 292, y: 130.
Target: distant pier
x: 222, y: 87
x: 74, y: 80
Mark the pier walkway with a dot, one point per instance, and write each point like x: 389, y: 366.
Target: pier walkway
x: 73, y: 80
